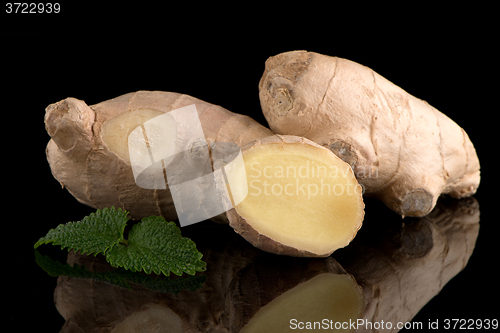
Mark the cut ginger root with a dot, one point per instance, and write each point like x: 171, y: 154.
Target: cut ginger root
x: 302, y: 199
x: 289, y: 195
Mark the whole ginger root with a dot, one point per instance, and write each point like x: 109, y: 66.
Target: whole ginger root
x: 402, y: 150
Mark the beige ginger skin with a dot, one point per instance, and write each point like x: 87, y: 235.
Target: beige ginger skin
x: 88, y: 151
x: 402, y: 150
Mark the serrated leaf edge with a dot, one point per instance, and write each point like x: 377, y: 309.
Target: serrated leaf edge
x: 188, y: 268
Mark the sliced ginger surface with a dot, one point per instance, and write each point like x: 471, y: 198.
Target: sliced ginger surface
x: 302, y: 196
x: 326, y: 299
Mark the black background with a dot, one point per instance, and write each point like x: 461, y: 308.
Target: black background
x: 217, y: 54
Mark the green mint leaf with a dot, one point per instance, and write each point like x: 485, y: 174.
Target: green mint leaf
x: 153, y: 245
x: 157, y: 246
x: 96, y: 233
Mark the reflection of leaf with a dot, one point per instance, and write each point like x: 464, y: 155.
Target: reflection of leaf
x: 56, y: 268
x: 168, y: 285
x: 120, y: 277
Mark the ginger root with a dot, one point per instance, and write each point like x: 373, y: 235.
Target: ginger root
x: 88, y: 151
x: 305, y: 202
x: 402, y: 150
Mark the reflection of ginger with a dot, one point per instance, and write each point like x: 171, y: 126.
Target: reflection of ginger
x: 402, y: 268
x: 399, y: 269
x: 93, y: 306
x: 277, y: 294
x: 230, y: 298
x: 152, y: 318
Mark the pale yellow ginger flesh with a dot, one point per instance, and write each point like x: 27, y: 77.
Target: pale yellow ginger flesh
x: 336, y: 298
x: 115, y: 132
x: 301, y: 196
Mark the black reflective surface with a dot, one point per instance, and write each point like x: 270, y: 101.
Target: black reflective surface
x: 401, y: 266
